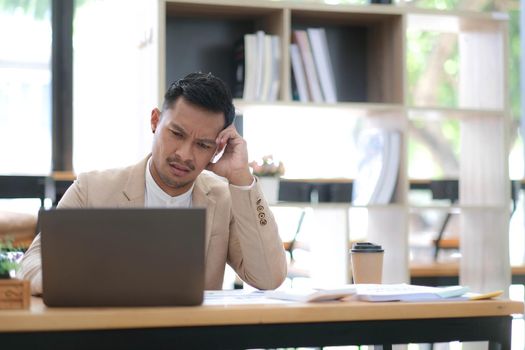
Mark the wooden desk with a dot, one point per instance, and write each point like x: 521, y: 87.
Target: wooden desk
x: 446, y: 274
x: 249, y: 326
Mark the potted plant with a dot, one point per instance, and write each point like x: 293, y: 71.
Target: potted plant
x: 14, y: 293
x: 268, y: 171
x: 9, y: 257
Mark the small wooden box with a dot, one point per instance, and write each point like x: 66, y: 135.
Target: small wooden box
x: 14, y: 294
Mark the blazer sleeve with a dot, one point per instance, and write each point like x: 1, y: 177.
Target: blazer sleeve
x: 255, y: 248
x: 31, y: 264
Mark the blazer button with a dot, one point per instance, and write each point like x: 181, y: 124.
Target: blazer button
x: 258, y: 201
x: 262, y: 215
x: 263, y: 222
x: 260, y: 208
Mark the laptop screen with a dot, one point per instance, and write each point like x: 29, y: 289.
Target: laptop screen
x: 123, y: 257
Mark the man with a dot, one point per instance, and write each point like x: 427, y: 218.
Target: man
x: 194, y: 126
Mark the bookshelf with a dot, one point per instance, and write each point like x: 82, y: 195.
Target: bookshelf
x: 368, y: 51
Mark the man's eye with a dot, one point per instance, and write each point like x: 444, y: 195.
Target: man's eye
x: 203, y: 145
x: 177, y: 134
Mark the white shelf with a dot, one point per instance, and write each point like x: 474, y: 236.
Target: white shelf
x: 482, y: 94
x: 436, y: 113
x: 455, y: 209
x: 336, y: 205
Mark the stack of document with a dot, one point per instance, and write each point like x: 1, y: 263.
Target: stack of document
x: 311, y: 295
x: 408, y: 292
x: 381, y: 292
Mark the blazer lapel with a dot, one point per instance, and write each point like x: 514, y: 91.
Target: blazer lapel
x: 134, y: 190
x: 202, y: 199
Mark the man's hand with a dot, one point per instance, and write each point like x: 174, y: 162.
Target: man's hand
x: 233, y: 164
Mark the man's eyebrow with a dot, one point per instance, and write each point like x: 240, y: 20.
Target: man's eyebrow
x: 177, y: 127
x: 208, y: 141
x: 181, y: 130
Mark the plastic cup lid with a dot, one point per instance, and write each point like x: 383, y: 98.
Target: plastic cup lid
x: 366, y: 247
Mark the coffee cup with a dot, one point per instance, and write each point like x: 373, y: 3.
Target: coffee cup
x: 367, y: 262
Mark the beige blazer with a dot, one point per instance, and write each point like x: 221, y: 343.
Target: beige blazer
x: 240, y: 230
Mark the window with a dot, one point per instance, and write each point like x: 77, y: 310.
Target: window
x: 25, y: 87
x: 311, y: 142
x: 114, y: 81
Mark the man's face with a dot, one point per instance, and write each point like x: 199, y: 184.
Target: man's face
x: 183, y: 144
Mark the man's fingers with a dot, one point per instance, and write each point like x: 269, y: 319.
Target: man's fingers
x: 229, y: 133
x: 220, y: 148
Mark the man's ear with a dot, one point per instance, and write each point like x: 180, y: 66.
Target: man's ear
x: 155, y: 118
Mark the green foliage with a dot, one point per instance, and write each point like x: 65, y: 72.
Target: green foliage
x: 7, y: 263
x: 456, y: 4
x: 6, y: 266
x: 420, y: 47
x: 514, y: 64
x: 418, y: 151
x: 422, y: 159
x: 39, y: 9
x: 438, y: 4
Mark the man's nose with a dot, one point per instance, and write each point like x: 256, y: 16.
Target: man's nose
x: 185, y: 150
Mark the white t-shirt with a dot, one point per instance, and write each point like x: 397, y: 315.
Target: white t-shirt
x: 156, y: 197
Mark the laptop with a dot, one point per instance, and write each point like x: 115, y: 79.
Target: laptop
x: 123, y: 257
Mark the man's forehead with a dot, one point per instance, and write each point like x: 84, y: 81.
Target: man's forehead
x: 182, y: 104
x: 187, y: 110
x: 208, y: 134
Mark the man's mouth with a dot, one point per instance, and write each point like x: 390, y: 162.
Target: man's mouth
x: 178, y: 169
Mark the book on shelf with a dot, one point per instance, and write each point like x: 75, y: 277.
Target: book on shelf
x: 323, y: 63
x: 276, y: 68
x: 301, y: 39
x: 250, y: 65
x: 257, y: 59
x: 267, y: 74
x: 259, y: 64
x: 298, y: 73
x: 378, y: 166
x: 239, y: 63
x: 294, y: 93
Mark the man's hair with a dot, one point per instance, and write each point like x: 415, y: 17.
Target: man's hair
x: 203, y: 90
